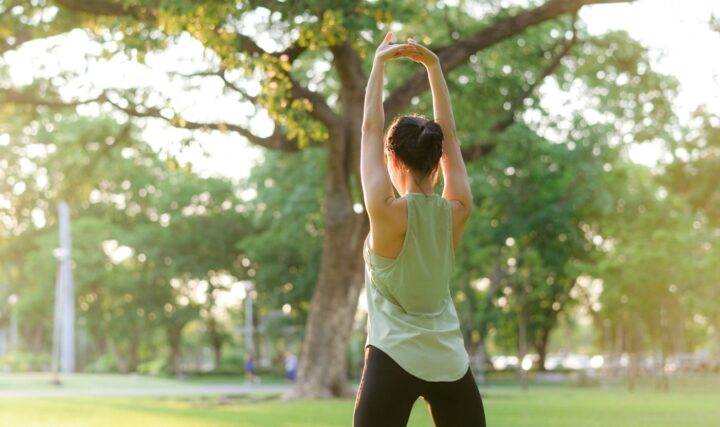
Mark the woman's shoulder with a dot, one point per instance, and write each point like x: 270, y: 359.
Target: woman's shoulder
x: 394, y: 214
x: 387, y: 231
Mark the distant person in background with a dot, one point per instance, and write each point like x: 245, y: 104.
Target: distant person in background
x: 249, y: 368
x: 291, y: 364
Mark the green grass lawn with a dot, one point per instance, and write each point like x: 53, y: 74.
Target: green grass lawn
x: 685, y: 406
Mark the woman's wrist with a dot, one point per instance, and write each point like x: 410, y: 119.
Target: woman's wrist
x: 379, y: 62
x: 433, y: 66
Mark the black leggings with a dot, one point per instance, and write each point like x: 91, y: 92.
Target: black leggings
x: 387, y: 394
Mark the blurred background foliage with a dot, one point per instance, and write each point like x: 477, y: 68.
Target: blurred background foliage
x: 568, y: 233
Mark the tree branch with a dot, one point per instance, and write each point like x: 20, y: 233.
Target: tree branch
x: 25, y: 98
x: 349, y: 68
x: 292, y: 52
x: 457, y: 53
x: 247, y: 45
x: 107, y: 8
x: 518, y: 103
x: 221, y: 75
x: 474, y: 152
x: 321, y: 110
x: 276, y: 141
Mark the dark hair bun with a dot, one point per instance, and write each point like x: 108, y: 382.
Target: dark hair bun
x: 431, y: 136
x: 416, y: 142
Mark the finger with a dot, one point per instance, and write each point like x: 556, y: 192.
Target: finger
x: 398, y: 47
x: 400, y: 52
x: 413, y: 42
x: 408, y: 53
x: 388, y: 37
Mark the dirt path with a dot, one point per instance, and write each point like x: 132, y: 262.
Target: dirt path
x: 197, y: 390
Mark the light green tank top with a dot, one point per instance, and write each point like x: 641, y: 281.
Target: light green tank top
x: 411, y: 315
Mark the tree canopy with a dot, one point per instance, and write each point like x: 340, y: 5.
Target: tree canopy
x: 559, y: 205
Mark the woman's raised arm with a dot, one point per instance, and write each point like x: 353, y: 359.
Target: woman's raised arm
x: 457, y: 183
x: 377, y: 187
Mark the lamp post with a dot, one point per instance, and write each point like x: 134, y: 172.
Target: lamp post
x: 63, y: 358
x: 60, y: 254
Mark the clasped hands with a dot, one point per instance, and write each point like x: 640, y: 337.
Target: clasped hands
x: 411, y: 50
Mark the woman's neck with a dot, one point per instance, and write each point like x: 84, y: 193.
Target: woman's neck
x: 425, y: 186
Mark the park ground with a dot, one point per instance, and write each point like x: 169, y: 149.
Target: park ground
x: 690, y: 403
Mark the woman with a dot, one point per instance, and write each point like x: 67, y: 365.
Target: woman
x: 414, y: 346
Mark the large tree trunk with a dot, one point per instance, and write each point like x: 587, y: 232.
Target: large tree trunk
x: 323, y: 363
x: 664, y: 347
x: 128, y: 354
x: 541, y: 344
x: 467, y: 322
x: 522, y: 343
x: 217, y: 354
x: 634, y: 351
x: 216, y: 340
x: 481, y: 359
x: 174, y: 336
